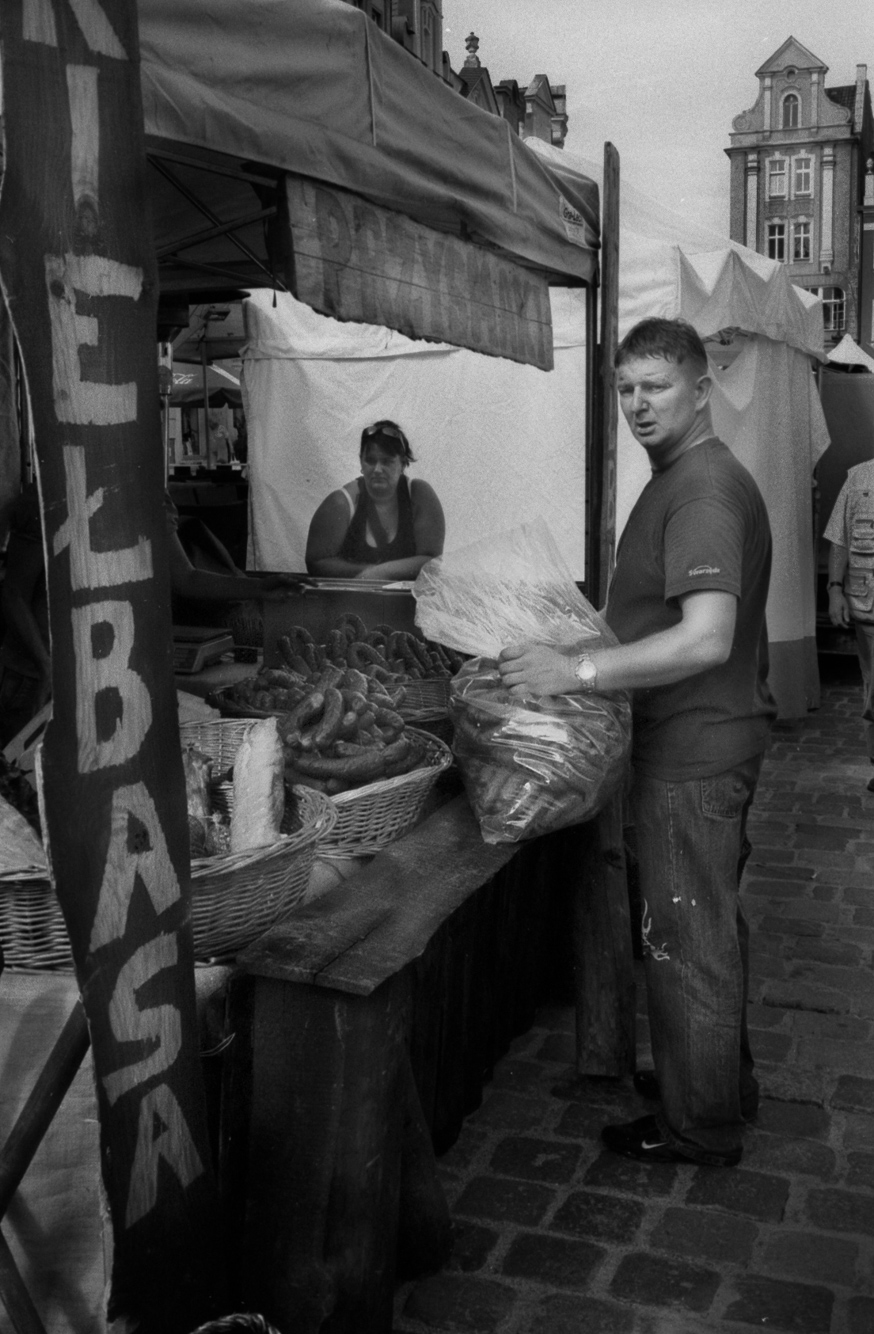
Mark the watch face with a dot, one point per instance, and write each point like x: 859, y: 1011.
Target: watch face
x: 586, y: 670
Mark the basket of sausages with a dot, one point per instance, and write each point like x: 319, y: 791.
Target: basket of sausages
x: 344, y: 734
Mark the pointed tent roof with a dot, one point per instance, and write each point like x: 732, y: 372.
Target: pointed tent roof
x: 790, y: 53
x: 848, y: 353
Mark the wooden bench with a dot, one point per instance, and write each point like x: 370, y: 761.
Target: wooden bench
x: 364, y: 1029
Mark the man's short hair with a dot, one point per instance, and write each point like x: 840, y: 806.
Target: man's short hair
x: 675, y: 340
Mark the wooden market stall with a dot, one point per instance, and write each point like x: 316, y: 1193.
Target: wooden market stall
x: 362, y: 184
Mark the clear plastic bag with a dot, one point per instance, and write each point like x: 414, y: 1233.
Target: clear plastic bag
x: 511, y: 589
x: 531, y: 766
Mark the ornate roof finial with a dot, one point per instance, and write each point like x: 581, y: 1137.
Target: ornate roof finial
x: 472, y: 44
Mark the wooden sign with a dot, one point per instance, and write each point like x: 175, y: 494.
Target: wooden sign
x: 79, y: 276
x: 356, y: 261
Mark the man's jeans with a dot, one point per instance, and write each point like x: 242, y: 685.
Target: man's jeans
x: 690, y: 837
x: 865, y: 646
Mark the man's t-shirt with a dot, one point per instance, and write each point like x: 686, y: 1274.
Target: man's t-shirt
x: 700, y: 525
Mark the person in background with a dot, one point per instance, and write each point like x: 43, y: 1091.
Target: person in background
x: 380, y: 525
x: 850, y: 530
x: 687, y: 604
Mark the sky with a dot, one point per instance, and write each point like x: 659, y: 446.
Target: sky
x: 660, y: 79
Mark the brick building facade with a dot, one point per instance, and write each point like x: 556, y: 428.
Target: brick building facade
x: 799, y: 158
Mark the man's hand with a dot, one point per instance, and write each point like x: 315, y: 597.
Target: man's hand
x: 537, y: 669
x: 838, y: 610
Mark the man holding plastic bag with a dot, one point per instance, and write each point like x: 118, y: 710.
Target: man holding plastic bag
x: 687, y: 604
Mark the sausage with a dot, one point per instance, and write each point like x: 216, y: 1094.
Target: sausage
x: 304, y: 712
x: 354, y: 700
x: 330, y: 675
x: 388, y: 718
x: 336, y: 645
x: 355, y: 680
x: 332, y: 716
x: 362, y: 768
x: 348, y: 728
x: 350, y: 620
x: 277, y: 676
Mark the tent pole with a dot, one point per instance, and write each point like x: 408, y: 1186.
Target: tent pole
x: 606, y: 536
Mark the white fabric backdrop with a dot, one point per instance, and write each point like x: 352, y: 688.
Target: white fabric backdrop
x: 499, y: 442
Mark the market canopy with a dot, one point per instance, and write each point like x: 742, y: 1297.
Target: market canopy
x: 311, y: 93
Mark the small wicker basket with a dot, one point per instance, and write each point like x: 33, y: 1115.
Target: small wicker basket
x: 372, y: 816
x: 427, y: 699
x: 237, y: 896
x: 33, y: 933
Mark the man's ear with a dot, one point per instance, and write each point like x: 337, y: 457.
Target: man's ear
x: 703, y: 390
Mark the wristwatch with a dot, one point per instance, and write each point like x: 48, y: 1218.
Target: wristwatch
x: 587, y: 672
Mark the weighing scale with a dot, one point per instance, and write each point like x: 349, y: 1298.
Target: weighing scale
x: 196, y: 646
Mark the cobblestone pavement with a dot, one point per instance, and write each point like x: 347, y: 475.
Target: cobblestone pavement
x: 556, y: 1236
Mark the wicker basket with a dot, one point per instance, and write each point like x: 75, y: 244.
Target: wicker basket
x: 372, y: 816
x: 426, y: 699
x: 33, y: 932
x: 236, y: 897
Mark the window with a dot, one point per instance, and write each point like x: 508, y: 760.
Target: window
x: 791, y: 111
x: 834, y: 309
x: 800, y: 241
x: 777, y: 178
x: 802, y: 176
x: 777, y: 240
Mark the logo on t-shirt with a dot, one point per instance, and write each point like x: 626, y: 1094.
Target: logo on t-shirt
x: 704, y: 569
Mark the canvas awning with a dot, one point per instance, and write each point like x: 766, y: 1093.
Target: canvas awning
x: 314, y: 88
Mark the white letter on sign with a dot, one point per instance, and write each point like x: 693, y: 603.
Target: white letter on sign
x: 112, y: 671
x: 163, y: 1133
x: 86, y: 402
x: 88, y: 568
x: 150, y: 861
x: 159, y: 1025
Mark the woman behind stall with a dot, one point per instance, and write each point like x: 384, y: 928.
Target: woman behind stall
x: 381, y: 525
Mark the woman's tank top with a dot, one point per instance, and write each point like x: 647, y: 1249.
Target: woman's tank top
x: 355, y: 544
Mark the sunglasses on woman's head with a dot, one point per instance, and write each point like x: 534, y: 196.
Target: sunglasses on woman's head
x: 385, y: 430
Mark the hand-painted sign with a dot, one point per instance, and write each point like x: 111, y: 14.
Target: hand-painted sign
x: 79, y: 276
x: 356, y: 261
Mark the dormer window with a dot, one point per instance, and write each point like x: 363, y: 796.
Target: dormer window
x: 791, y: 110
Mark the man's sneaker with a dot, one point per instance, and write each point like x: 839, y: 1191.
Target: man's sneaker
x: 642, y: 1139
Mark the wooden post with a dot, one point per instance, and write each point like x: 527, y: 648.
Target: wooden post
x: 79, y: 276
x: 608, y: 343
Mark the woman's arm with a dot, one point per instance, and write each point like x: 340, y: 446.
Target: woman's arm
x: 328, y: 528
x: 187, y: 581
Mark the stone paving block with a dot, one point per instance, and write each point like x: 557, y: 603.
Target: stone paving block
x: 804, y: 1119
x: 859, y: 1133
x: 509, y: 1111
x: 795, y: 995
x: 826, y: 836
x: 841, y: 1210
x: 850, y: 981
x: 789, y: 1157
x: 760, y: 869
x: 860, y: 1170
x: 766, y: 1016
x: 586, y: 1213
x: 701, y: 1235
x: 462, y: 1153
x: 581, y: 1122
x: 792, y: 1084
x: 859, y: 896
x: 813, y: 1257
x: 460, y: 1304
x: 827, y: 951
x: 798, y: 1308
x: 556, y: 1262
x: 611, y: 1172
x: 791, y: 926
x: 863, y: 916
x: 832, y: 1055
x: 656, y: 1281
x: 770, y: 1046
x: 854, y: 1094
x: 860, y: 1315
x: 756, y: 1194
x: 559, y: 1047
x: 535, y: 1159
x: 520, y: 1076
x: 471, y: 1245
x: 824, y: 893
x: 504, y: 1200
x: 841, y: 1027
x: 561, y: 1313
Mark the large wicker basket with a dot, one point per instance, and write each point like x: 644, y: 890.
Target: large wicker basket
x: 372, y: 816
x: 237, y: 896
